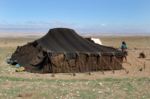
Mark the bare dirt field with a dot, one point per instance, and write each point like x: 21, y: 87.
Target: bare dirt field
x: 134, y: 83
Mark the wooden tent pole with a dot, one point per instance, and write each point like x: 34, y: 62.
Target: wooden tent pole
x: 99, y: 62
x: 109, y: 66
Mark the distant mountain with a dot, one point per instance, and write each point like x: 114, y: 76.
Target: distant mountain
x: 43, y: 31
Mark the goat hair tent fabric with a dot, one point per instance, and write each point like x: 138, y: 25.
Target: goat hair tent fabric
x: 62, y: 50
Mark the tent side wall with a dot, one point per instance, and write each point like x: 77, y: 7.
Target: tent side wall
x: 83, y: 63
x: 31, y: 56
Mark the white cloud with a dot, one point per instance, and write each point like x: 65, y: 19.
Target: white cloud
x: 103, y: 24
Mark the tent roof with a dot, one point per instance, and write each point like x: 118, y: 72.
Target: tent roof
x: 67, y: 40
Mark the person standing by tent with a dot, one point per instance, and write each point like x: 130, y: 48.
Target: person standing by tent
x: 124, y: 49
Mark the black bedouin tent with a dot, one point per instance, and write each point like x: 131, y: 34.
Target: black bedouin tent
x: 63, y: 50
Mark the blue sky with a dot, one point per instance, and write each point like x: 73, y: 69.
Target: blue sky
x: 93, y: 16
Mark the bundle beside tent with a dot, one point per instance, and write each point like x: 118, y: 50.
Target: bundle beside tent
x: 94, y: 40
x: 63, y: 50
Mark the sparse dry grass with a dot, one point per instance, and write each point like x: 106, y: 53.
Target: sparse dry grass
x: 106, y: 88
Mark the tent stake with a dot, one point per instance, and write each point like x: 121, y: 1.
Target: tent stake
x: 52, y: 75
